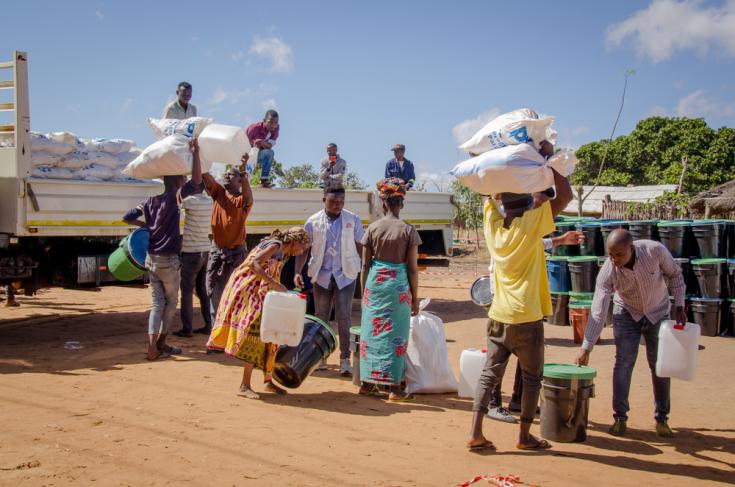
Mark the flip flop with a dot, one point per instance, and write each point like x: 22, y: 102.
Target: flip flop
x: 485, y: 445
x: 539, y: 445
x: 404, y: 398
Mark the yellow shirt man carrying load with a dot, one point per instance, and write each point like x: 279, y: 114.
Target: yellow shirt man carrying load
x: 514, y: 229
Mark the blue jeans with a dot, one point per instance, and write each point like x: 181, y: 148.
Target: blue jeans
x: 265, y: 159
x: 164, y: 275
x: 627, y: 339
x: 342, y: 299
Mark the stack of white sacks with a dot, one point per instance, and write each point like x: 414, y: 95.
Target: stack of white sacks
x: 506, y: 155
x: 63, y: 155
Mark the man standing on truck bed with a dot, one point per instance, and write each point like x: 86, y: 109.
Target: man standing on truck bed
x: 163, y: 261
x: 400, y: 167
x: 180, y: 108
x: 263, y: 135
x: 232, y: 203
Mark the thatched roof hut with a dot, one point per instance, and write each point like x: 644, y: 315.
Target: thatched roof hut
x: 718, y: 201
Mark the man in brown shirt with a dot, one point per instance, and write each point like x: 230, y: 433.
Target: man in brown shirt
x: 232, y: 202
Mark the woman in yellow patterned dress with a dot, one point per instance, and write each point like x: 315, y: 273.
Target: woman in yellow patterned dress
x: 237, y: 326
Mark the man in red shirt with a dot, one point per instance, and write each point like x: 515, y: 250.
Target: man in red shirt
x: 263, y: 135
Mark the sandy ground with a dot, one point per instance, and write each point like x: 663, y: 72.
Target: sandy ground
x: 102, y: 415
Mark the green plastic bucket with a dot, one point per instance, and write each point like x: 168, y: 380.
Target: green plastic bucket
x: 127, y: 262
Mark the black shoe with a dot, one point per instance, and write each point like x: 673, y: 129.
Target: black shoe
x: 514, y: 407
x: 212, y: 352
x: 183, y: 334
x: 203, y: 330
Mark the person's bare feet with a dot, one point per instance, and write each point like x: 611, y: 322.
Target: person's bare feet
x: 12, y: 304
x: 271, y: 387
x: 248, y: 393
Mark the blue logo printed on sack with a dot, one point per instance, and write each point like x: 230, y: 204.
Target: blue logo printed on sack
x: 521, y: 135
x: 496, y: 140
x: 190, y: 129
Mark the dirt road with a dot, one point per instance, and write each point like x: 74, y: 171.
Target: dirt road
x: 102, y: 415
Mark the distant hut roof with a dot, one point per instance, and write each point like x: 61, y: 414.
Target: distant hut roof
x: 720, y: 199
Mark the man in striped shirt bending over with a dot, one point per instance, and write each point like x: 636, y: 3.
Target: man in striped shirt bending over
x: 641, y: 273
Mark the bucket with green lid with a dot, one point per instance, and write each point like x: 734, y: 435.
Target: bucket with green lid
x: 711, y: 276
x: 565, y: 395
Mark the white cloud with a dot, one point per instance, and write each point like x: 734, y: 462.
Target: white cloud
x: 467, y: 128
x: 699, y: 104
x: 232, y: 97
x: 667, y: 26
x: 126, y: 105
x: 659, y: 111
x: 99, y: 14
x: 238, y: 56
x: 269, y: 104
x: 275, y: 50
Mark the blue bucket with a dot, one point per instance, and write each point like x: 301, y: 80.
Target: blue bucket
x: 560, y: 280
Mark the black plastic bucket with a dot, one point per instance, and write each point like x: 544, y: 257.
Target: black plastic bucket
x: 565, y: 394
x: 560, y: 307
x: 673, y: 235
x: 708, y: 235
x: 583, y: 273
x: 295, y: 364
x: 729, y: 327
x: 711, y: 277
x: 644, y: 230
x: 731, y: 277
x: 607, y: 227
x: 707, y: 313
x: 564, y: 250
x: 593, y: 244
x: 730, y: 239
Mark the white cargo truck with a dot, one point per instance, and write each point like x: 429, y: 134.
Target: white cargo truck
x: 60, y: 232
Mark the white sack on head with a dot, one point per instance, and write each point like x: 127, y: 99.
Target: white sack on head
x: 190, y: 127
x: 510, y: 169
x: 42, y: 143
x: 40, y: 158
x: 512, y: 128
x: 111, y: 146
x: 564, y: 162
x: 168, y: 157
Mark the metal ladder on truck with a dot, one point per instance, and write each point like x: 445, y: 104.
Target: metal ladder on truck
x: 15, y: 163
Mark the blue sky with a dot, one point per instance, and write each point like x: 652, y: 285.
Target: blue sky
x: 367, y: 75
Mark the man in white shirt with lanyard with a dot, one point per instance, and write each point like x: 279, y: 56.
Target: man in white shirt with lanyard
x: 335, y: 262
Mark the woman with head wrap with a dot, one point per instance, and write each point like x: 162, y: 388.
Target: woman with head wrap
x: 390, y: 294
x: 237, y: 327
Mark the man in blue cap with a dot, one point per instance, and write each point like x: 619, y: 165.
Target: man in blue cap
x: 400, y: 167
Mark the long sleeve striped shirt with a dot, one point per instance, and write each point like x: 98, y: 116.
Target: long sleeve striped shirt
x: 643, y: 291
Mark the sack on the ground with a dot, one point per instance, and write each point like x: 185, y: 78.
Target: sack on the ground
x: 190, y: 127
x: 41, y: 143
x: 564, y: 162
x: 512, y: 128
x: 427, y: 360
x: 83, y: 158
x: 111, y: 146
x: 168, y: 157
x: 40, y: 158
x: 510, y: 169
x: 50, y: 172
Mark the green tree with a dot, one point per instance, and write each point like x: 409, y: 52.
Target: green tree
x: 467, y: 208
x: 353, y: 181
x: 303, y: 176
x: 652, y: 154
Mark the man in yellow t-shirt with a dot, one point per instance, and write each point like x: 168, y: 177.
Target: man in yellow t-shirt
x: 514, y: 228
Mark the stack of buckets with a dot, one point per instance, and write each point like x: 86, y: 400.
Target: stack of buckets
x: 704, y: 249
